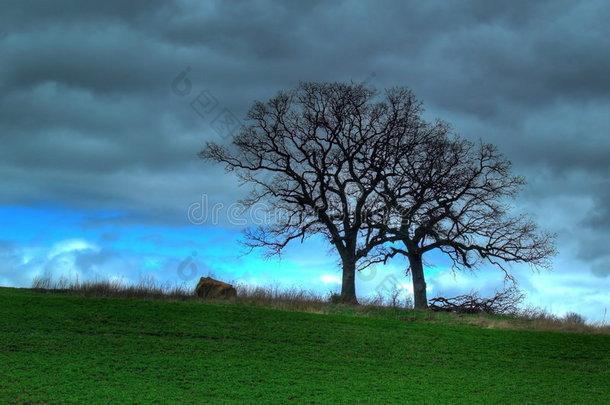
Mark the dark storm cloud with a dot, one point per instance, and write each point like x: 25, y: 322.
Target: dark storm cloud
x: 599, y: 218
x: 88, y: 118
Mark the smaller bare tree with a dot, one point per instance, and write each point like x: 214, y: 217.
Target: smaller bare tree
x: 446, y: 193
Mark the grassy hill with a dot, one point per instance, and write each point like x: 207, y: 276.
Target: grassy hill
x: 57, y: 348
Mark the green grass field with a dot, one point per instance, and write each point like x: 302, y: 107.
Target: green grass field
x: 65, y: 349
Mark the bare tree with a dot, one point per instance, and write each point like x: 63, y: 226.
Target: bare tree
x: 317, y: 156
x: 452, y: 195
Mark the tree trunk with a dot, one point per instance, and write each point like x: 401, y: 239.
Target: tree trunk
x: 419, y: 283
x: 348, y: 288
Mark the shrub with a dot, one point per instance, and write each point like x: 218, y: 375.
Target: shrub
x: 334, y: 298
x: 573, y: 318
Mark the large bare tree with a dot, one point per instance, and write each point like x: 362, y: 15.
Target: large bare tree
x: 317, y: 156
x: 452, y: 195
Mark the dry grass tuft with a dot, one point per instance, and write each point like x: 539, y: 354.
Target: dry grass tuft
x: 291, y: 299
x: 147, y: 288
x: 540, y: 319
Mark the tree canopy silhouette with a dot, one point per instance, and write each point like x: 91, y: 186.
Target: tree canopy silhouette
x: 368, y: 173
x: 452, y: 195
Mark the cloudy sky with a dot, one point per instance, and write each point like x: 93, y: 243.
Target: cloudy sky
x: 104, y: 106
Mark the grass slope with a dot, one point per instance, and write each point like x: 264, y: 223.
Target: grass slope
x: 65, y: 349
